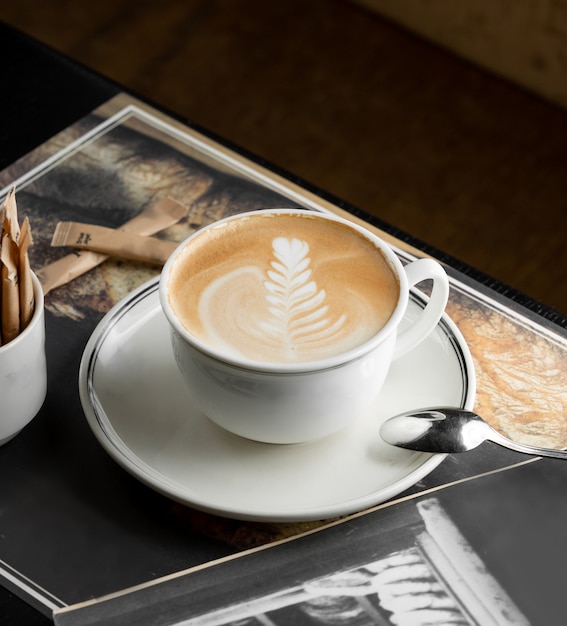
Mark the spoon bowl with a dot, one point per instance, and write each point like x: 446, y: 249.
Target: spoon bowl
x: 450, y: 430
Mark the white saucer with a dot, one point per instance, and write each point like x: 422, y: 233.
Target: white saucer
x: 141, y: 412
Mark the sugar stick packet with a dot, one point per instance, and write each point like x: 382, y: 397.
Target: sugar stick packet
x: 158, y: 216
x: 16, y: 289
x: 113, y: 242
x: 26, y: 284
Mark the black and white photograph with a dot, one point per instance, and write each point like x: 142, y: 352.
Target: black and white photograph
x: 486, y: 551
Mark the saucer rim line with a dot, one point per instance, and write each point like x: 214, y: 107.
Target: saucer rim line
x: 129, y: 461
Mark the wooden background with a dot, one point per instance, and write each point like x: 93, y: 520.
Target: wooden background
x: 525, y: 41
x: 350, y: 102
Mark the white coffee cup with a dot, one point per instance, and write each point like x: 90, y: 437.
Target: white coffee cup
x: 275, y: 400
x: 23, y: 373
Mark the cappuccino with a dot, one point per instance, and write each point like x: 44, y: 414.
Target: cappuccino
x: 282, y: 287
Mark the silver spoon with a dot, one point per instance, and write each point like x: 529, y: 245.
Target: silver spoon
x: 446, y: 430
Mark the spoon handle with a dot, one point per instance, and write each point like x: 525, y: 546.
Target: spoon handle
x: 525, y: 449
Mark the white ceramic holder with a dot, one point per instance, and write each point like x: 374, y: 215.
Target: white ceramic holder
x: 23, y: 373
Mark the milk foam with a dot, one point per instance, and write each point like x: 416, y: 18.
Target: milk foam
x: 282, y: 289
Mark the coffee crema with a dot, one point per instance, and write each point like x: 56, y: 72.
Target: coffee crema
x: 282, y: 288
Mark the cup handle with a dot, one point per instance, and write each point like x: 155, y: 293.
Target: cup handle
x: 417, y: 271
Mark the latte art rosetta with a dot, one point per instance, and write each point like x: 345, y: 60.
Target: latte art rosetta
x: 294, y: 322
x: 289, y: 298
x: 299, y: 316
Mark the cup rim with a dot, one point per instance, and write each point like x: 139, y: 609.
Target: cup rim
x: 313, y: 365
x: 37, y: 313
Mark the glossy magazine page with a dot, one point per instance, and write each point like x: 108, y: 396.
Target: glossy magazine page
x: 81, y: 520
